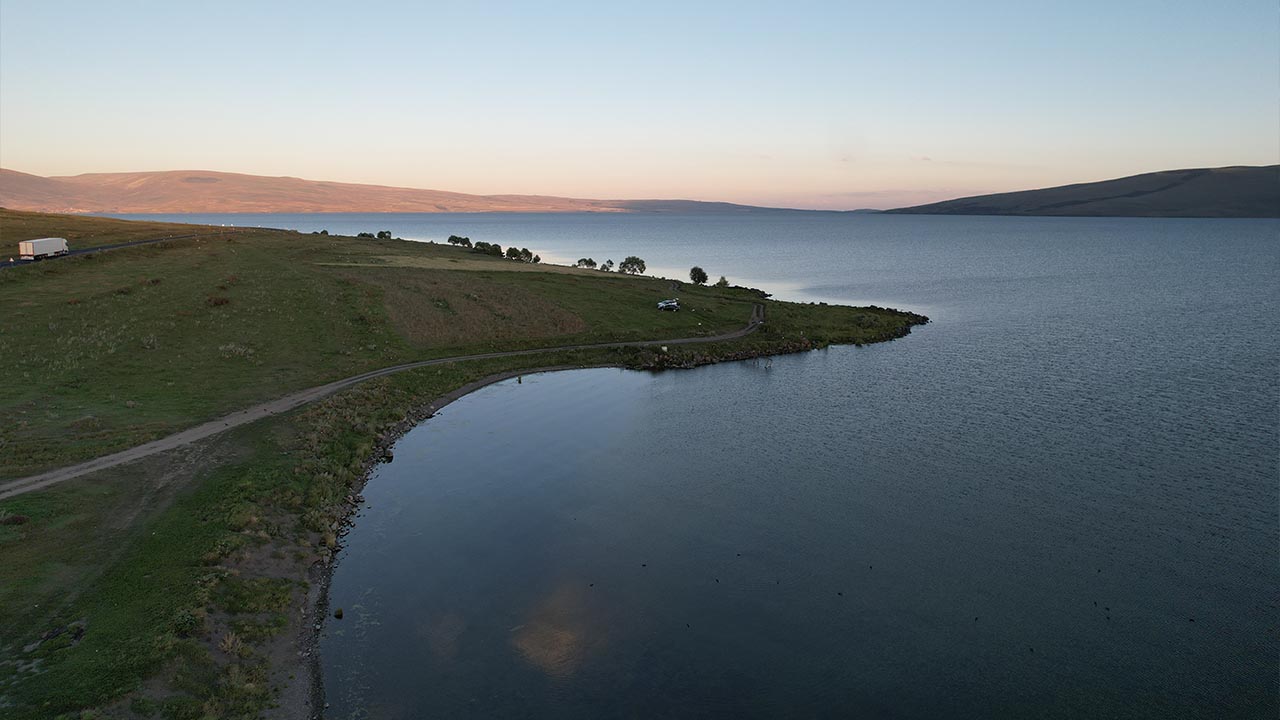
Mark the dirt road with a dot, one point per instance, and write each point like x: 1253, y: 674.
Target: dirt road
x: 302, y: 397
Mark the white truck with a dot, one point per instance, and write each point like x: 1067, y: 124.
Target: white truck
x: 42, y: 248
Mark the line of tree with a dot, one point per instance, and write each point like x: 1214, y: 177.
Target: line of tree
x: 485, y: 248
x: 382, y: 234
x: 632, y: 265
x: 494, y: 249
x: 699, y: 277
x: 522, y: 254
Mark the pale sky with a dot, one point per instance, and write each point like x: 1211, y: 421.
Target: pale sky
x: 803, y: 104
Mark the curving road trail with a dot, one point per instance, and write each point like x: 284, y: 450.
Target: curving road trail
x: 302, y: 397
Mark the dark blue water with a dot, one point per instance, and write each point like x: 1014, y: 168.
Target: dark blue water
x: 1059, y: 499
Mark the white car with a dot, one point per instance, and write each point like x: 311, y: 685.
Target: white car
x: 672, y: 304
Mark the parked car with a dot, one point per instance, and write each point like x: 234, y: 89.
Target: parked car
x: 672, y: 304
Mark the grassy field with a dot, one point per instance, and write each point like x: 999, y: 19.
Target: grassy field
x: 172, y: 587
x: 83, y: 231
x: 107, y: 351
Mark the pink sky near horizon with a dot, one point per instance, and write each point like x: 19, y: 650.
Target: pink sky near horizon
x: 811, y: 103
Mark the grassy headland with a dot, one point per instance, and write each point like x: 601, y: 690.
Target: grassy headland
x: 181, y: 583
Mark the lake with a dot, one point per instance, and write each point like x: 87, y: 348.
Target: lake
x: 1059, y: 499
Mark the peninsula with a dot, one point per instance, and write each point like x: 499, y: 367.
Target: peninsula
x: 189, y: 422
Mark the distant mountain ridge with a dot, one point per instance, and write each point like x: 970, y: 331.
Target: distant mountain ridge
x: 1241, y: 191
x: 1227, y: 192
x: 197, y: 191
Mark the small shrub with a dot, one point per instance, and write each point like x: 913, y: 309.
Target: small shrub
x: 231, y: 643
x: 188, y: 622
x: 235, y: 350
x: 8, y: 518
x: 216, y: 301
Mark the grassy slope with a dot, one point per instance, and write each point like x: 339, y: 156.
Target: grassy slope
x: 82, y: 231
x: 108, y: 351
x: 184, y: 568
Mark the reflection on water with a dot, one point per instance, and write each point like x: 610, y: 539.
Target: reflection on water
x: 555, y: 638
x: 1058, y: 500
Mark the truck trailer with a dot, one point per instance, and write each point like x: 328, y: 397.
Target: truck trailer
x: 42, y: 248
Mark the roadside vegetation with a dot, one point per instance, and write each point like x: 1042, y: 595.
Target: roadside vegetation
x: 84, y: 231
x: 177, y: 586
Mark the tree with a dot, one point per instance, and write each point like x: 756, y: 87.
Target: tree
x: 632, y: 265
x: 513, y: 253
x: 607, y: 266
x: 586, y: 263
x: 525, y: 255
x: 460, y: 241
x: 537, y: 259
x: 698, y: 275
x: 384, y: 234
x: 364, y: 235
x: 722, y: 282
x: 493, y: 249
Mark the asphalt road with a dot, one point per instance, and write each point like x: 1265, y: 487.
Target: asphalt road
x: 14, y: 262
x: 302, y: 397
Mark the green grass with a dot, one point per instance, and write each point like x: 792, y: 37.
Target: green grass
x: 162, y: 581
x: 82, y: 231
x: 108, y: 351
x: 146, y: 602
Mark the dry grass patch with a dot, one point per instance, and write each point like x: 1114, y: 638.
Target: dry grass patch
x: 434, y: 309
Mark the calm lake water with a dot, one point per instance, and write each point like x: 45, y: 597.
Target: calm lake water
x: 1059, y: 499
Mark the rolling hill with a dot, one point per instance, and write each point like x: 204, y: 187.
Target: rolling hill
x: 1202, y: 192
x: 1240, y: 192
x: 197, y: 191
